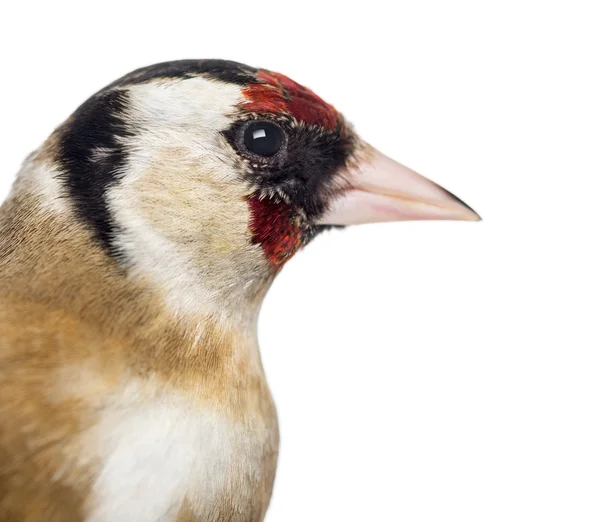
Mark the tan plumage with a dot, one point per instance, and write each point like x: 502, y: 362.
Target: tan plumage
x: 65, y: 350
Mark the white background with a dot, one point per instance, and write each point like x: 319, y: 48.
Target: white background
x: 422, y: 371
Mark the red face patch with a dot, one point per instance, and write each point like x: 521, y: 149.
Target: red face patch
x: 274, y: 228
x: 273, y: 224
x: 279, y: 94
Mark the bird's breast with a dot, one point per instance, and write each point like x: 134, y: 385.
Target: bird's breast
x: 161, y: 452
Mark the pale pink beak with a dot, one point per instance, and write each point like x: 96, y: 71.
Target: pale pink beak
x: 381, y: 189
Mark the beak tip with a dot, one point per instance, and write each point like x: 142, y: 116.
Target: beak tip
x: 475, y: 217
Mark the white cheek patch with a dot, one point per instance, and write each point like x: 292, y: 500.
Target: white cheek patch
x: 155, y: 453
x: 178, y: 135
x: 152, y: 254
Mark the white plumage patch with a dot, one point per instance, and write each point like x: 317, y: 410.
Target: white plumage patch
x: 41, y: 178
x: 154, y: 453
x: 186, y: 115
x: 180, y: 199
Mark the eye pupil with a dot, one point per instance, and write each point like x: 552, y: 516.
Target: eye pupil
x: 263, y: 138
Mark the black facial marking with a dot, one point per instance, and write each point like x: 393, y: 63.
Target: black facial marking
x: 223, y: 70
x: 305, y: 170
x: 92, y: 158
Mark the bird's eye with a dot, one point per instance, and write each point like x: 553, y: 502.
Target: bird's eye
x: 263, y: 138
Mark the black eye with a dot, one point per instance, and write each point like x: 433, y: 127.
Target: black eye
x: 263, y: 138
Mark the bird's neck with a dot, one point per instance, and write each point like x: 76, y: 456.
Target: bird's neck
x: 49, y: 257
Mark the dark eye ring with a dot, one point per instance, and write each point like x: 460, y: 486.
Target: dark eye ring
x: 263, y: 138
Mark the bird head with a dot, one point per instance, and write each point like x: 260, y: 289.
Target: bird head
x: 205, y: 176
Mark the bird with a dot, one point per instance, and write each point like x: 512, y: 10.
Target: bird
x: 136, y: 247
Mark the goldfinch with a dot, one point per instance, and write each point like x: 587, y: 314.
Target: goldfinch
x: 136, y: 247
